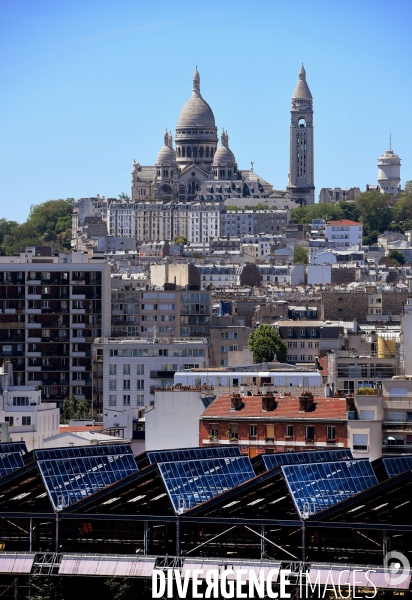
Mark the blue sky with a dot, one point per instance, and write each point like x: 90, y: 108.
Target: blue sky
x: 88, y: 86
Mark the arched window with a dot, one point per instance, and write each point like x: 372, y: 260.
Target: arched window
x: 201, y: 151
x: 207, y: 152
x: 189, y: 152
x: 178, y: 152
x: 211, y: 152
x: 195, y: 152
x: 301, y: 122
x: 183, y: 152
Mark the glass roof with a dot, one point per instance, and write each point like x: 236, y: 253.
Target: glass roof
x: 192, y: 453
x: 71, y: 474
x: 397, y: 464
x: 315, y: 487
x: 9, y: 462
x: 292, y: 458
x: 189, y: 483
x: 13, y: 447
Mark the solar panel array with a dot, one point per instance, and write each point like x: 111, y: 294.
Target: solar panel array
x: 291, y: 458
x: 71, y: 474
x: 13, y: 447
x: 9, y: 462
x: 315, y: 487
x: 192, y: 453
x: 397, y: 464
x: 192, y: 482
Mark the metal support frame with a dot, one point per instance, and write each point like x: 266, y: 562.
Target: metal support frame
x: 211, y: 540
x: 262, y: 541
x: 146, y: 538
x: 270, y: 542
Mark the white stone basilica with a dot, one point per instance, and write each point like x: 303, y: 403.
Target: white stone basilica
x: 198, y: 169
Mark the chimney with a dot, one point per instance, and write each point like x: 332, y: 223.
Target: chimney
x: 268, y: 402
x: 306, y: 402
x: 236, y: 402
x: 350, y: 403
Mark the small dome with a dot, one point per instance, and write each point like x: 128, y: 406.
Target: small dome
x: 196, y: 112
x: 166, y: 156
x: 389, y: 155
x: 223, y: 155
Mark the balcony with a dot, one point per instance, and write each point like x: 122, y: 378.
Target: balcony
x: 162, y: 374
x: 397, y: 426
x: 397, y: 449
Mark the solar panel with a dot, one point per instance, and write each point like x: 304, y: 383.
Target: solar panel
x: 397, y: 464
x: 71, y: 474
x: 292, y: 458
x: 315, y: 487
x: 192, y: 453
x: 189, y: 483
x: 13, y: 447
x: 9, y: 462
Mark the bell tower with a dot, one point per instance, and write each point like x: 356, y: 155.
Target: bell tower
x: 301, y: 185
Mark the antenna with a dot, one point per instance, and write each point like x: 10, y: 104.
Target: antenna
x: 390, y: 141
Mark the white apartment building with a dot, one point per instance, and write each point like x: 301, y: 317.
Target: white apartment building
x: 127, y: 371
x: 203, y: 221
x: 252, y: 221
x: 29, y: 420
x: 343, y: 234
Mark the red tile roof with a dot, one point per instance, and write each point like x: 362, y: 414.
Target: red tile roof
x: 66, y: 428
x: 287, y: 408
x: 343, y: 222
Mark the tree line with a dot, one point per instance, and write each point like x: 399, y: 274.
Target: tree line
x: 376, y: 211
x: 48, y: 224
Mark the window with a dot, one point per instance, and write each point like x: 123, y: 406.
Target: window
x: 78, y: 390
x: 112, y: 384
x: 20, y: 401
x: 114, y: 353
x: 270, y: 433
x: 302, y: 344
x: 289, y: 431
x: 310, y: 344
x: 112, y: 400
x: 140, y: 369
x: 302, y: 357
x: 330, y: 433
x: 112, y: 369
x: 126, y: 384
x: 360, y: 442
x: 290, y: 332
x: 310, y: 357
x: 126, y: 369
x: 140, y: 399
x: 253, y: 431
x: 26, y: 420
x: 310, y: 433
x: 45, y: 290
x: 126, y: 399
x: 214, y: 432
x: 303, y: 332
x: 313, y: 332
x: 45, y: 303
x: 140, y: 384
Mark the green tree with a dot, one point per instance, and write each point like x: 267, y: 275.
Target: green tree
x: 408, y: 186
x: 180, y: 239
x: 265, y: 342
x: 375, y: 214
x: 84, y: 409
x: 124, y: 197
x: 397, y: 257
x: 42, y: 588
x: 300, y: 256
x: 119, y: 589
x: 70, y: 408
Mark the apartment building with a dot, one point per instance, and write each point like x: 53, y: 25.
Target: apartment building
x: 51, y: 310
x: 127, y: 371
x: 344, y: 233
x: 307, y: 340
x: 245, y: 221
x: 274, y: 423
x: 28, y: 419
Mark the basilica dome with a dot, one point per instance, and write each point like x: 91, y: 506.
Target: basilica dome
x: 196, y: 112
x: 166, y: 154
x: 223, y: 155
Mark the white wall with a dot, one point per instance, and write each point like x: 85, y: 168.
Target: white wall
x: 173, y: 422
